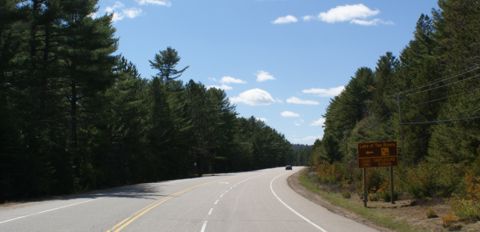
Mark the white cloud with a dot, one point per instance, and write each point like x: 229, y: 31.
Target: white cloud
x: 254, y: 97
x: 231, y: 80
x: 117, y: 16
x: 222, y: 87
x: 347, y: 13
x: 299, y: 122
x: 111, y: 9
x: 285, y: 20
x: 289, y: 114
x: 116, y: 5
x: 372, y: 22
x: 119, y: 12
x: 358, y: 14
x: 308, y: 18
x: 264, y: 76
x: 224, y: 82
x: 319, y: 122
x: 132, y: 12
x: 330, y: 92
x: 154, y: 2
x: 298, y: 101
x: 306, y: 140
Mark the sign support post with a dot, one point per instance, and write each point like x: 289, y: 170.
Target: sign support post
x: 365, y: 189
x: 392, y: 199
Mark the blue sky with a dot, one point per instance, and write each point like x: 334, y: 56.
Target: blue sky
x: 278, y: 60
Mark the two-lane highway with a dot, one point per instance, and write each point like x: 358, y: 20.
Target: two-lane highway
x: 247, y: 201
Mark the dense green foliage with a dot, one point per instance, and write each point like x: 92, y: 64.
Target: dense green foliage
x: 74, y: 117
x: 301, y: 154
x: 427, y: 99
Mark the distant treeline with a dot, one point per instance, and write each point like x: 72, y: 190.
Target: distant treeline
x: 74, y: 117
x: 428, y: 99
x: 301, y: 154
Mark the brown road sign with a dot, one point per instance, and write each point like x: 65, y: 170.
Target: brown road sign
x: 377, y: 154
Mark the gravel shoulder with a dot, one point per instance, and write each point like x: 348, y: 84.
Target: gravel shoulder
x: 412, y: 214
x: 294, y: 183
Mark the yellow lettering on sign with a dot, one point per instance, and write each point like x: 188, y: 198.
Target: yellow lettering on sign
x: 385, y: 151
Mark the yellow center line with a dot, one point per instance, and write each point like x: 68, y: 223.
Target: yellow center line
x: 127, y: 221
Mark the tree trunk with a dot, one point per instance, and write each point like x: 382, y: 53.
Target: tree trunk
x: 73, y: 114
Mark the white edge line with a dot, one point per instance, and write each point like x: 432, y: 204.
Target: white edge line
x: 290, y: 208
x: 204, y: 226
x: 46, y: 211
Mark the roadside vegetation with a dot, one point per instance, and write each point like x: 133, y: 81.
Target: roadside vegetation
x: 74, y: 116
x: 343, y: 200
x: 427, y: 99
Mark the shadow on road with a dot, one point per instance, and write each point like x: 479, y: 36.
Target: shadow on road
x: 144, y: 191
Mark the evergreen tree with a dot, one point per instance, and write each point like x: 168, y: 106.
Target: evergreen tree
x: 161, y: 132
x: 201, y: 125
x: 418, y: 68
x: 458, y: 37
x: 381, y: 104
x: 165, y: 62
x: 126, y: 122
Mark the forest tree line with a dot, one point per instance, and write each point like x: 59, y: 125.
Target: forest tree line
x: 426, y: 99
x: 74, y: 116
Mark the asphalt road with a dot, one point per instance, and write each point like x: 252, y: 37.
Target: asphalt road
x: 248, y: 201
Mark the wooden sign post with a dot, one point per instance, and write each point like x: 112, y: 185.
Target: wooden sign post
x: 377, y: 154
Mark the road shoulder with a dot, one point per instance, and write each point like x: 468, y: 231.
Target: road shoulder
x: 294, y: 183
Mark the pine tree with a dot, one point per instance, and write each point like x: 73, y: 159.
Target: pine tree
x: 165, y: 62
x: 383, y: 86
x: 126, y: 121
x: 11, y: 147
x: 161, y: 132
x: 201, y: 125
x: 222, y: 135
x: 87, y: 61
x: 458, y: 37
x: 418, y: 68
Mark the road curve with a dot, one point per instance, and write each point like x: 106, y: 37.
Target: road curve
x: 248, y: 201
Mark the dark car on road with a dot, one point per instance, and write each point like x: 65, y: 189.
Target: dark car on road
x: 288, y: 167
